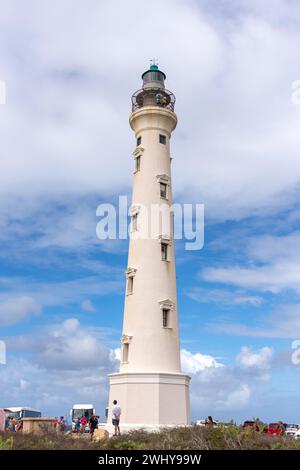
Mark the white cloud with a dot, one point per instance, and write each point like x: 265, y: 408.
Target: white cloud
x: 56, y: 366
x: 24, y: 384
x: 69, y: 364
x: 273, y: 278
x: 283, y: 322
x: 223, y: 296
x: 277, y: 268
x: 70, y: 346
x: 231, y: 74
x: 116, y: 354
x: 54, y: 391
x: 238, y: 398
x: 219, y: 391
x: 260, y: 359
x: 230, y: 391
x: 18, y: 309
x: 87, y: 306
x: 270, y: 248
x: 192, y: 363
x: 61, y: 293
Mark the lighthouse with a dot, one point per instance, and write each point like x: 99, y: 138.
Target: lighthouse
x: 150, y: 387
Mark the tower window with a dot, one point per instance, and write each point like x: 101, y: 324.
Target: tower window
x: 163, y: 190
x: 166, y: 318
x: 134, y: 222
x: 129, y: 289
x: 139, y: 141
x: 164, y: 251
x: 125, y: 352
x: 138, y: 163
x: 162, y: 139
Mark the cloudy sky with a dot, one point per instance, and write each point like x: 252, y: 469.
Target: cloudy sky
x: 70, y: 68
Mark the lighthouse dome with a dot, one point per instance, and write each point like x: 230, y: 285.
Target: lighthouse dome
x: 153, y: 78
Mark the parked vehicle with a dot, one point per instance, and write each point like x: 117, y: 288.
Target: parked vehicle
x: 20, y: 412
x: 256, y: 425
x: 248, y: 424
x: 291, y: 429
x: 276, y: 429
x: 297, y: 434
x: 80, y: 410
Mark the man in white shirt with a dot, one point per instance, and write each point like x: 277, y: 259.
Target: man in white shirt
x: 116, y: 413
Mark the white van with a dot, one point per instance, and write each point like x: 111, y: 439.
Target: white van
x: 80, y: 410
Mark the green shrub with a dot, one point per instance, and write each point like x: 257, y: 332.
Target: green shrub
x: 6, y: 444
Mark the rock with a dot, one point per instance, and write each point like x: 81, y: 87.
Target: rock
x: 100, y: 434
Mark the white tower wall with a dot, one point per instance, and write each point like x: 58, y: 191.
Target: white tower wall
x: 150, y: 387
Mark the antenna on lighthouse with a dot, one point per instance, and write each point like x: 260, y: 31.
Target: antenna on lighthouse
x: 154, y: 63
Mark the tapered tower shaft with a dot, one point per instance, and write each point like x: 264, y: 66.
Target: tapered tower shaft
x: 150, y: 375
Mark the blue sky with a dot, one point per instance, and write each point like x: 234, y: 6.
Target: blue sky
x: 70, y: 69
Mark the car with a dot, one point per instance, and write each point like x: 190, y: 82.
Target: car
x: 276, y: 429
x: 252, y: 424
x: 248, y: 424
x: 291, y: 429
x: 297, y: 434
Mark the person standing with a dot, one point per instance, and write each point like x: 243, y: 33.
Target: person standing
x: 209, y: 422
x: 116, y: 414
x: 7, y: 422
x: 62, y: 424
x: 83, y: 423
x: 19, y: 425
x: 77, y: 425
x: 93, y: 424
x: 11, y: 424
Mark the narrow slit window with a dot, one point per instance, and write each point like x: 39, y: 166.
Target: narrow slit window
x: 139, y: 141
x: 164, y: 251
x: 130, y: 285
x: 163, y: 190
x: 134, y: 222
x: 166, y: 318
x: 162, y: 139
x: 138, y: 163
x: 125, y: 354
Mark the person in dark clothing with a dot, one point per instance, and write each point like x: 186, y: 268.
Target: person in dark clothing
x: 209, y: 422
x: 93, y: 424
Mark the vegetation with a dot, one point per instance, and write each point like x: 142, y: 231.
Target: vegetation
x: 6, y: 444
x: 190, y: 438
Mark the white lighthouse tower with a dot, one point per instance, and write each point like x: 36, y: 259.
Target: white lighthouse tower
x: 150, y: 387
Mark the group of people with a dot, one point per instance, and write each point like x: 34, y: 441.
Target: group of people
x: 12, y: 424
x: 81, y: 424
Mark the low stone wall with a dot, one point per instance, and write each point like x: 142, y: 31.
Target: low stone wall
x: 38, y: 425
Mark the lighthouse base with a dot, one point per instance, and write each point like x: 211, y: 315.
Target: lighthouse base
x: 150, y: 400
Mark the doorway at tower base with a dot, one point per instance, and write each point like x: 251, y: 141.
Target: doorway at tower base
x: 150, y: 400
